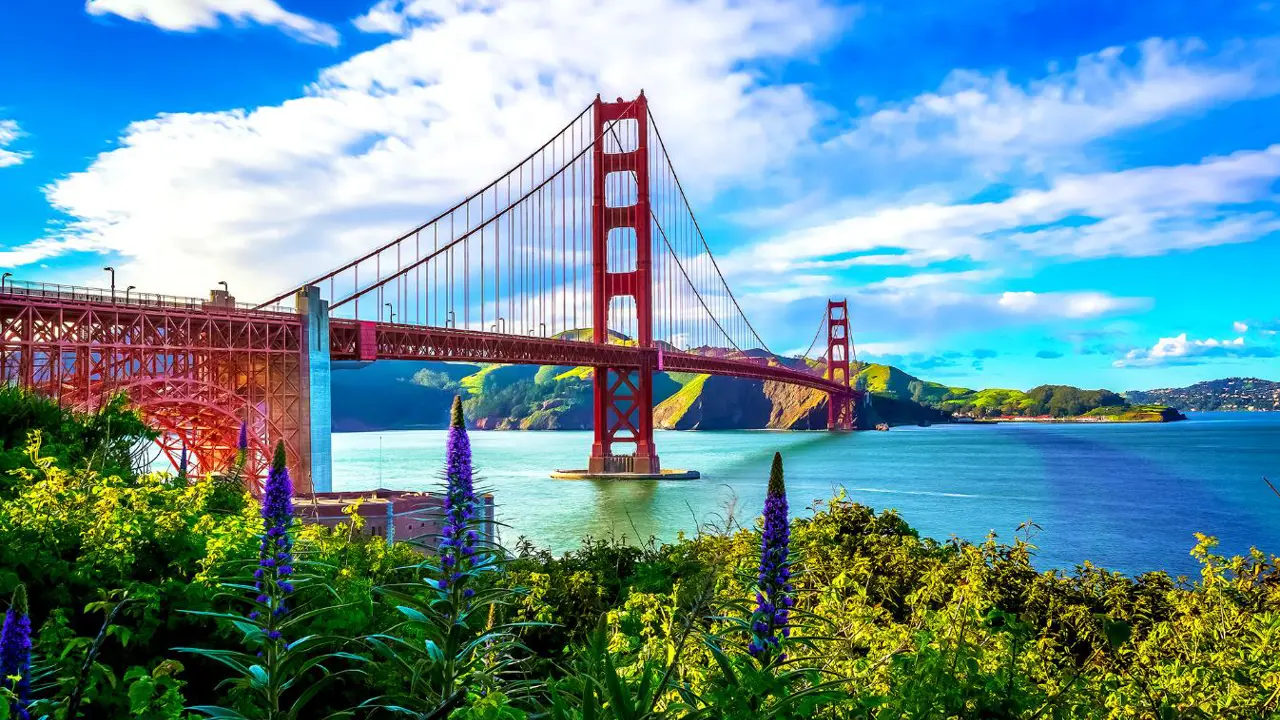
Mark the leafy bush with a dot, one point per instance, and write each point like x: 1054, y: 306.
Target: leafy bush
x: 881, y: 623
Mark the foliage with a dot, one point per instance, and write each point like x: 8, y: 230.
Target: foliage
x: 885, y: 623
x: 106, y: 440
x: 433, y: 379
x: 442, y: 654
x: 523, y: 400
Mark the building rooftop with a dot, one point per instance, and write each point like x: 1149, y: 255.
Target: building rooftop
x: 378, y: 496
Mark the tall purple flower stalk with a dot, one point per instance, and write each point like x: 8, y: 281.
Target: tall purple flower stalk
x: 458, y: 536
x: 15, y: 652
x: 275, y: 555
x: 773, y: 585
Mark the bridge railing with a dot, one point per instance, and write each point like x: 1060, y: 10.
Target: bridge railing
x: 75, y: 293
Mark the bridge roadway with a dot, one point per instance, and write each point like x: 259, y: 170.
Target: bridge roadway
x: 348, y: 339
x: 198, y: 368
x: 351, y: 340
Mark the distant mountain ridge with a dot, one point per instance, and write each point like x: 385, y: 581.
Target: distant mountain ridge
x: 1232, y: 394
x: 413, y: 394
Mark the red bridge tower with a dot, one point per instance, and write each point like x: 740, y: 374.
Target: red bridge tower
x: 839, y: 407
x: 623, y: 409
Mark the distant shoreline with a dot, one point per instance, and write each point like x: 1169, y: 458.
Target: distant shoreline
x: 1145, y: 418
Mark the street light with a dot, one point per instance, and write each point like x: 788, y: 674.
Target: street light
x: 4, y: 277
x: 127, y: 290
x: 225, y: 289
x: 113, y: 281
x: 391, y: 310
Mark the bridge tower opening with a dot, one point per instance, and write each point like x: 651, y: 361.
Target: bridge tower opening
x: 623, y: 401
x: 840, y: 407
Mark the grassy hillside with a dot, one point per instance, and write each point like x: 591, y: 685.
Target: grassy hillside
x: 1059, y: 401
x: 672, y: 411
x: 1137, y: 413
x: 889, y: 381
x: 390, y: 394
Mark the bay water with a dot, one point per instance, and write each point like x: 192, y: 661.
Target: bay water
x: 1128, y: 497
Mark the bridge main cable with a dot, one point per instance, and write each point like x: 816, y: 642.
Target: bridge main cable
x: 453, y: 243
x: 701, y: 236
x: 465, y: 202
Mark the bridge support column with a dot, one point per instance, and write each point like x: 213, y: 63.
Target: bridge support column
x: 840, y: 408
x: 623, y: 411
x: 315, y: 466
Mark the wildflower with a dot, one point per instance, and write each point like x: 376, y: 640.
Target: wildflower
x: 275, y: 553
x: 457, y: 544
x: 182, y: 464
x: 774, y: 590
x: 15, y: 652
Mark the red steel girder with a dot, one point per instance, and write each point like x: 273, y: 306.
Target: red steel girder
x: 194, y: 371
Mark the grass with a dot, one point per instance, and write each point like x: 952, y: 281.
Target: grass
x: 674, y: 408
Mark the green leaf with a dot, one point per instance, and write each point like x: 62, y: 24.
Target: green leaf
x: 433, y: 651
x: 259, y: 676
x: 413, y: 614
x: 215, y: 711
x: 140, y: 694
x: 722, y: 660
x: 1118, y: 632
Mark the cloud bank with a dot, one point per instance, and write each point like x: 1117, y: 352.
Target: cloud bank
x: 191, y: 15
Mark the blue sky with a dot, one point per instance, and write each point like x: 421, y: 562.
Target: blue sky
x: 1009, y: 192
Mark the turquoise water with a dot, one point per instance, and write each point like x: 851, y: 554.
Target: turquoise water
x: 1127, y: 497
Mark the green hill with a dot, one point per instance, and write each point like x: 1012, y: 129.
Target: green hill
x: 402, y: 394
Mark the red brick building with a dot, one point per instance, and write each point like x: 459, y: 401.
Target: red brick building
x: 392, y: 514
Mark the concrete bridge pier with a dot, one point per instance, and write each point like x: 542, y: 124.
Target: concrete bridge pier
x: 316, y: 410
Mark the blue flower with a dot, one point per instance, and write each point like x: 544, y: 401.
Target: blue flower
x: 15, y: 652
x: 275, y: 556
x: 774, y: 590
x: 457, y: 542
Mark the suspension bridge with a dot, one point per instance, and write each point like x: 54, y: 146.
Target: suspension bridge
x: 586, y: 253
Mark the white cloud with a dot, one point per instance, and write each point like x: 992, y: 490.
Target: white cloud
x: 935, y: 304
x: 881, y: 349
x: 1002, y: 123
x: 388, y: 16
x: 1180, y: 350
x: 9, y: 132
x: 950, y: 145
x: 266, y: 197
x: 1131, y: 213
x: 190, y: 15
x: 1073, y: 305
x: 1240, y: 327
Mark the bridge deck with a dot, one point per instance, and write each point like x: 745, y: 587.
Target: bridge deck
x: 410, y: 342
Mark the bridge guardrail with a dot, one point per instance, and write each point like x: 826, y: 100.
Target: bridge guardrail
x: 76, y: 293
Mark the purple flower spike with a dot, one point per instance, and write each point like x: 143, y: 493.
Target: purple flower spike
x: 15, y: 653
x: 457, y: 542
x: 275, y: 554
x: 774, y: 592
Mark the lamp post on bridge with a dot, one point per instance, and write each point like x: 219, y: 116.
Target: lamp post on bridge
x: 113, y: 281
x: 128, y: 290
x: 391, y: 309
x: 4, y: 277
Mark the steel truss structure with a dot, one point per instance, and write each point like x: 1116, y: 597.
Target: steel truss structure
x: 195, y: 374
